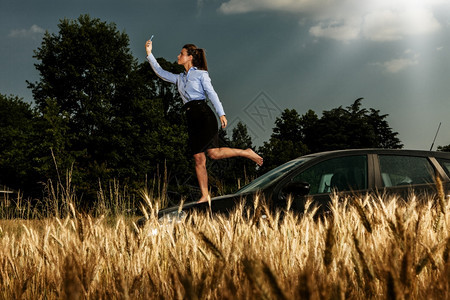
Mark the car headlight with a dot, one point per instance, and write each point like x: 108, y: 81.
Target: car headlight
x: 173, y: 217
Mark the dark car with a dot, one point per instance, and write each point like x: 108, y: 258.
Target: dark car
x: 347, y: 172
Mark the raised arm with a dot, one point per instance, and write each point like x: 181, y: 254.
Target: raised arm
x: 163, y: 74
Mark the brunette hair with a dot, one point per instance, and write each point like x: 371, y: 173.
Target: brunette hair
x: 199, y: 56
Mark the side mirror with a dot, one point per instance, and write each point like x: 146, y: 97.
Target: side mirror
x: 297, y: 188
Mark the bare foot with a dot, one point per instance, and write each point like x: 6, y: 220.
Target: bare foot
x: 204, y: 199
x: 254, y: 156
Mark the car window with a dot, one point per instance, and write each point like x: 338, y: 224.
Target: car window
x: 342, y: 173
x: 271, y: 176
x: 445, y: 163
x: 399, y: 170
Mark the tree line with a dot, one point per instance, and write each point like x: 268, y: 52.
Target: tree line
x: 103, y: 115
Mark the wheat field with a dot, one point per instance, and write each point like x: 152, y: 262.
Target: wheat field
x: 366, y: 248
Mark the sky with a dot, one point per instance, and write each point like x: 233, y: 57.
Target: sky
x: 265, y: 56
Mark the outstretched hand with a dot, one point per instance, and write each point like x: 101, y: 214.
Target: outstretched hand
x: 149, y: 47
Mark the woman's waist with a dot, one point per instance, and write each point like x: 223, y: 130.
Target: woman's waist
x: 194, y: 103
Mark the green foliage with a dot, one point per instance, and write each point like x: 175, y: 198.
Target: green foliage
x: 100, y: 117
x: 53, y: 148
x: 17, y: 141
x: 285, y: 142
x: 236, y: 171
x: 339, y: 128
x: 351, y: 127
x: 83, y: 67
x: 105, y: 117
x: 444, y: 148
x: 242, y: 169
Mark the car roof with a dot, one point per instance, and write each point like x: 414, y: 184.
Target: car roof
x: 380, y: 151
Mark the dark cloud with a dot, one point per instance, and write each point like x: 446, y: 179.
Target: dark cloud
x: 297, y: 54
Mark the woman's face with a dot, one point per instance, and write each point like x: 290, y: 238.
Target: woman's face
x: 184, y: 58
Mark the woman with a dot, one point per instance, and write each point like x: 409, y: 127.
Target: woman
x: 194, y: 86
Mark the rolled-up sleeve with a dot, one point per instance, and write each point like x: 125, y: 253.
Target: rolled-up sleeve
x: 163, y: 74
x: 211, y: 93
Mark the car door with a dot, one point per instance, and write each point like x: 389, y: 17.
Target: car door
x: 345, y: 175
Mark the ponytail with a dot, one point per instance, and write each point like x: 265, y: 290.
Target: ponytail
x: 199, y: 56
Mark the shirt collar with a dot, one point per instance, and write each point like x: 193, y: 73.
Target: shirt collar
x: 192, y: 68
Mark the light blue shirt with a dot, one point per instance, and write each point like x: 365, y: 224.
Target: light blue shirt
x: 193, y: 85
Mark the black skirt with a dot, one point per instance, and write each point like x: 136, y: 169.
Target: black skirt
x: 202, y: 126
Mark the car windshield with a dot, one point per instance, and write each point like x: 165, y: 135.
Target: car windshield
x: 271, y: 176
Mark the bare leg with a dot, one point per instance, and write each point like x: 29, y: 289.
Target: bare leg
x: 202, y: 175
x: 225, y: 152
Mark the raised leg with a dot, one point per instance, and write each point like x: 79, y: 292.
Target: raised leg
x: 225, y: 152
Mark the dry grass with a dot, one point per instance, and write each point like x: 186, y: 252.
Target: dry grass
x: 366, y: 248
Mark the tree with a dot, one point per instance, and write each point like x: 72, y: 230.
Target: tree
x: 155, y: 87
x: 85, y: 69
x: 351, y: 127
x: 109, y: 116
x: 16, y: 140
x: 308, y: 123
x: 338, y: 128
x: 226, y: 174
x: 52, y: 141
x: 444, y: 148
x: 240, y: 169
x: 384, y: 136
x: 285, y: 142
